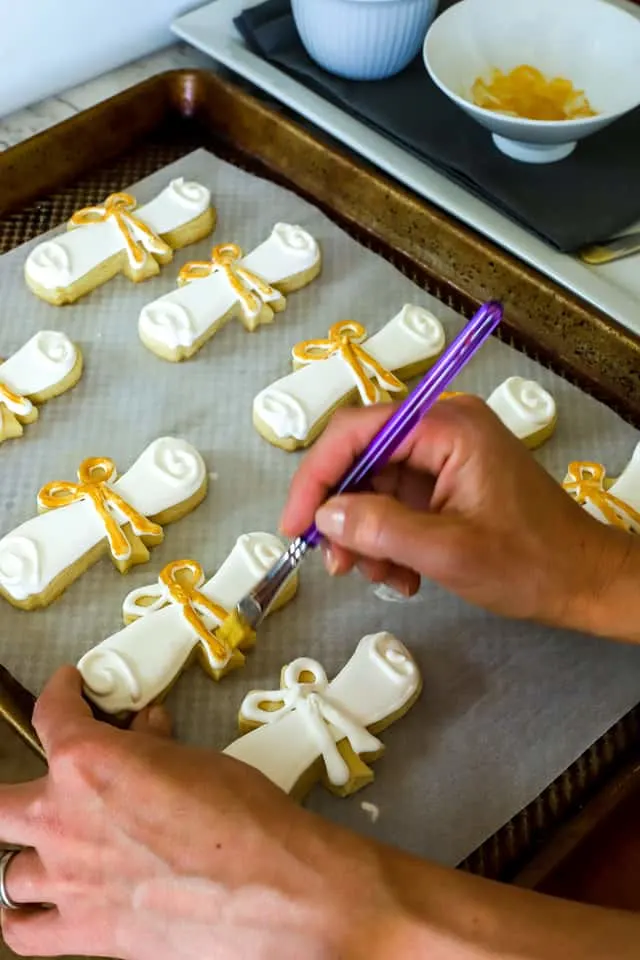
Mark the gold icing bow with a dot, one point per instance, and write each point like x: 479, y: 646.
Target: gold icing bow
x: 224, y: 257
x: 345, y: 338
x: 94, y: 475
x: 186, y: 594
x: 585, y: 482
x: 21, y: 406
x: 137, y: 235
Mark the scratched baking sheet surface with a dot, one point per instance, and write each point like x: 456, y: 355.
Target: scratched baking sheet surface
x: 506, y: 706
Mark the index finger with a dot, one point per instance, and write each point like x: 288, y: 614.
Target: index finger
x: 347, y: 435
x: 459, y: 420
x: 20, y: 813
x: 60, y: 708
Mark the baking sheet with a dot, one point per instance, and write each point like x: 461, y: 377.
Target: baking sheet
x: 506, y: 706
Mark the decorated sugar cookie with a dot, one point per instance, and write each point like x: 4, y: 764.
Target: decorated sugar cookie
x: 311, y: 730
x: 170, y: 622
x: 47, y: 365
x: 616, y: 502
x: 212, y: 292
x: 525, y: 408
x: 348, y: 364
x: 116, y: 237
x: 99, y: 514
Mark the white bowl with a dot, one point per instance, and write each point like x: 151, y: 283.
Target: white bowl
x: 590, y: 42
x: 363, y: 39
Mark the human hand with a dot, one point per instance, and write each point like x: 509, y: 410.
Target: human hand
x: 151, y: 851
x: 464, y: 504
x: 148, y: 849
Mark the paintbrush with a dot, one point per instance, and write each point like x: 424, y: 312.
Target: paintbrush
x: 242, y: 622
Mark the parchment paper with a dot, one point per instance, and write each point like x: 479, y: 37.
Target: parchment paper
x: 506, y: 706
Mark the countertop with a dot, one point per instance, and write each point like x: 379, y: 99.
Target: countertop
x: 25, y: 123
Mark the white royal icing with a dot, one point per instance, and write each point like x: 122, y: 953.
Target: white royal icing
x: 49, y: 264
x: 192, y: 312
x: 166, y: 474
x: 283, y: 413
x: 169, y: 323
x: 379, y: 680
x: 20, y: 565
x: 524, y: 406
x: 173, y: 463
x: 322, y: 717
x: 193, y: 197
x: 292, y: 406
x: 44, y: 361
x: 60, y: 262
x: 20, y: 407
x: 131, y: 668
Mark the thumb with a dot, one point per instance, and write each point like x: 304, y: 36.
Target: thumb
x: 60, y: 708
x: 380, y: 527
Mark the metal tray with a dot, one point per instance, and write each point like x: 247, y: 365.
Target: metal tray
x: 211, y: 29
x: 43, y: 180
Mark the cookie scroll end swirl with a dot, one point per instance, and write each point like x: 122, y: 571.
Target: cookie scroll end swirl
x: 167, y: 323
x: 19, y: 567
x: 282, y: 413
x: 56, y: 347
x: 423, y: 326
x: 191, y: 194
x: 294, y: 238
x: 179, y: 463
x: 49, y: 265
x: 110, y: 680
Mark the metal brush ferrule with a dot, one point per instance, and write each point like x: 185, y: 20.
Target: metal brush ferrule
x: 255, y: 606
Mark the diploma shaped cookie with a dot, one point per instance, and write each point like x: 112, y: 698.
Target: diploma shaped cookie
x: 293, y: 411
x: 171, y: 621
x: 99, y: 514
x: 119, y: 237
x: 312, y: 730
x: 526, y: 409
x: 47, y: 365
x: 212, y: 292
x: 616, y: 502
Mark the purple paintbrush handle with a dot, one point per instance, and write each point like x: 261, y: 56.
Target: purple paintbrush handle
x: 417, y: 404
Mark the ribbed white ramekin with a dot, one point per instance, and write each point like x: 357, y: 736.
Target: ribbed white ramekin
x: 363, y: 39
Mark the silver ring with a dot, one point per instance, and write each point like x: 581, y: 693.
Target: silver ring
x: 6, y: 903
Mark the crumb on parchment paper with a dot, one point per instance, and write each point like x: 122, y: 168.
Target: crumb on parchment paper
x: 371, y: 809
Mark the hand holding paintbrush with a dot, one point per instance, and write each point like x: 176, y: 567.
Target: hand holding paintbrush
x: 252, y: 608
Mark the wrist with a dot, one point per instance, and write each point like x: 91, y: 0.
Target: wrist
x: 380, y: 923
x: 416, y: 909
x: 607, y: 601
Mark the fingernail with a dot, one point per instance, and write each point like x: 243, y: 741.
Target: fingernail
x: 330, y: 560
x: 400, y: 586
x: 330, y: 520
x: 282, y: 525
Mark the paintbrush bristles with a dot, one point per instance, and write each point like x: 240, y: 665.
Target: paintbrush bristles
x: 234, y: 632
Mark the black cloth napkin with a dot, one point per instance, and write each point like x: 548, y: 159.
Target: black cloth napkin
x: 591, y: 195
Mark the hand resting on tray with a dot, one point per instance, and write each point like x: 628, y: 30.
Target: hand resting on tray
x: 148, y: 849
x: 466, y: 505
